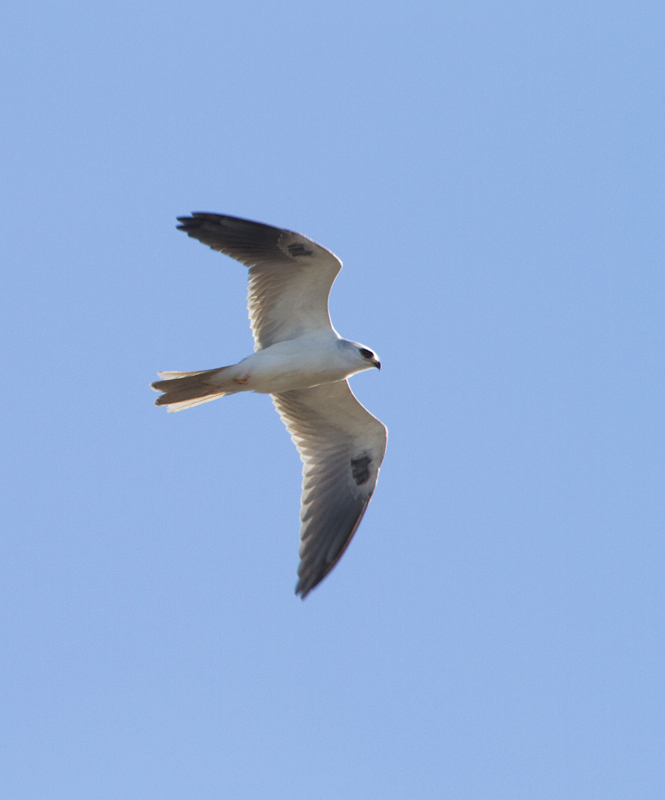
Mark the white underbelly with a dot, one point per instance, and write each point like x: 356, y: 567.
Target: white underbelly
x: 270, y: 373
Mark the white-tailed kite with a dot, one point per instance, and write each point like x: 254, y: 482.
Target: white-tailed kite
x: 303, y: 363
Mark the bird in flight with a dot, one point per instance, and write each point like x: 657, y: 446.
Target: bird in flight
x: 303, y: 364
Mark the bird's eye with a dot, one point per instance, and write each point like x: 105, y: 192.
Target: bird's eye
x: 366, y: 353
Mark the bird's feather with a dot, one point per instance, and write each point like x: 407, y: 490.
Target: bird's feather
x: 289, y: 275
x: 341, y: 446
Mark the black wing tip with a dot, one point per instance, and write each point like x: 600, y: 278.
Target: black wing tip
x: 303, y: 588
x: 236, y: 237
x: 308, y: 582
x: 198, y: 218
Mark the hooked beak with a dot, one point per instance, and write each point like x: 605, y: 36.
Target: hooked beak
x: 377, y: 363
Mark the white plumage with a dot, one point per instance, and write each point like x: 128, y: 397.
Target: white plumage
x: 303, y: 363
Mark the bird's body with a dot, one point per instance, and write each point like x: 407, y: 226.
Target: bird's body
x: 303, y: 363
x: 310, y: 360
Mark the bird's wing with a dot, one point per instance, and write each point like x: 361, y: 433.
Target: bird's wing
x: 341, y: 446
x: 289, y: 275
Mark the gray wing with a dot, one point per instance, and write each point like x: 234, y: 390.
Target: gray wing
x: 341, y: 446
x: 289, y: 275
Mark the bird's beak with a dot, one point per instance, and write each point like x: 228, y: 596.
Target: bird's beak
x: 377, y: 364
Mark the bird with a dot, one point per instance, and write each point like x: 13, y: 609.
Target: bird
x: 302, y: 362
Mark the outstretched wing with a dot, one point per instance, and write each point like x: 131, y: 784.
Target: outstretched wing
x: 289, y: 275
x: 341, y: 446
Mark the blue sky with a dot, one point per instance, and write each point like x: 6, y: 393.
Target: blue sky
x: 491, y: 174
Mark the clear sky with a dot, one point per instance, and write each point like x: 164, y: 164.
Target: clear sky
x: 491, y: 174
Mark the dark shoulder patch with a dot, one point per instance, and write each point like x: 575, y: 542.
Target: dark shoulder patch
x: 298, y: 249
x: 360, y: 469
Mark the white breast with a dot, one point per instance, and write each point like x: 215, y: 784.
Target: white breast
x: 297, y: 364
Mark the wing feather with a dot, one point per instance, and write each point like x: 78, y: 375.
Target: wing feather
x: 290, y: 276
x: 341, y: 446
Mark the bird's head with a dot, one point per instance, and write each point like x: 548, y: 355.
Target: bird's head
x: 359, y: 356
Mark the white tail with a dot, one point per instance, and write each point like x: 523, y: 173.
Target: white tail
x: 187, y: 389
